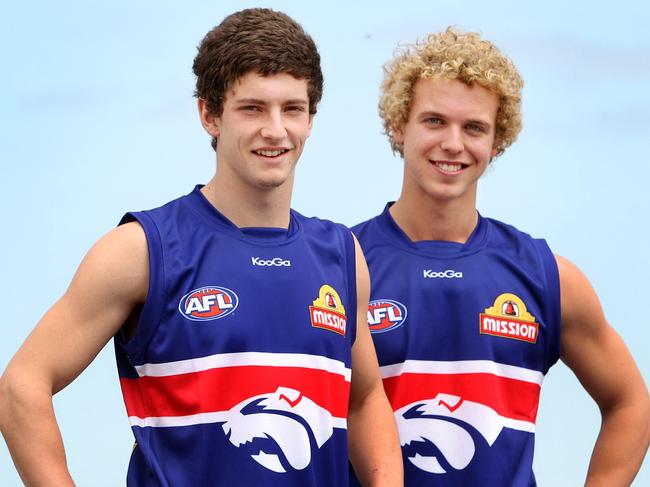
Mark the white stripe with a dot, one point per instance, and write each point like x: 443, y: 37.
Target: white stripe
x: 201, y: 418
x: 462, y: 367
x: 518, y: 424
x: 242, y: 359
x: 162, y: 421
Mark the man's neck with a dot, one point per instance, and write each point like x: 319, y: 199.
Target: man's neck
x: 427, y: 219
x: 250, y: 207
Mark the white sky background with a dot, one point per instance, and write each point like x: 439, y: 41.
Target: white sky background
x: 97, y: 118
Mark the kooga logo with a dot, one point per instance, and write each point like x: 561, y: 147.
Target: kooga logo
x: 277, y: 262
x: 448, y: 274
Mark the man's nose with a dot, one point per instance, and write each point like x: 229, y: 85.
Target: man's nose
x: 273, y: 127
x: 453, y: 140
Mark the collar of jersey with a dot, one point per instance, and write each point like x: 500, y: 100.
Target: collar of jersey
x: 433, y: 248
x: 259, y: 235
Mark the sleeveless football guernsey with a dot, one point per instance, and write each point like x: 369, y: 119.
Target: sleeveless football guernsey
x: 465, y: 334
x: 239, y: 370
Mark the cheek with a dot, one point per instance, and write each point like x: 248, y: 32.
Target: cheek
x: 305, y: 132
x: 482, y: 150
x: 421, y: 146
x: 415, y: 159
x: 302, y: 131
x: 414, y: 154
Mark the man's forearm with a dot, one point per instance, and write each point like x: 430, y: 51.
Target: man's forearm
x: 621, y: 446
x: 374, y: 443
x: 29, y: 427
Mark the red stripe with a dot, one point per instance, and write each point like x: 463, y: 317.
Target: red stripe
x: 511, y: 398
x: 222, y: 388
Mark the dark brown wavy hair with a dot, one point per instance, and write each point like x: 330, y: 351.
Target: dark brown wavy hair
x: 260, y: 40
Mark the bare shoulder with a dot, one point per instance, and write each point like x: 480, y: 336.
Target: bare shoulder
x: 580, y: 305
x: 118, y: 262
x: 598, y: 357
x: 590, y: 345
x: 110, y: 282
x: 127, y: 242
x: 571, y: 278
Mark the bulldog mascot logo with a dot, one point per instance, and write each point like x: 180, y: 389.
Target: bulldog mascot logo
x: 294, y: 424
x: 439, y: 422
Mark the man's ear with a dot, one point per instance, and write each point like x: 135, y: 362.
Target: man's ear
x: 210, y: 122
x: 397, y: 134
x: 311, y: 121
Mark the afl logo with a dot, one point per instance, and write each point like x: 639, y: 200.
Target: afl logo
x: 385, y: 315
x: 208, y: 303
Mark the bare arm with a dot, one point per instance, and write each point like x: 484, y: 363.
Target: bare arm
x: 604, y: 366
x: 372, y: 434
x: 110, y: 282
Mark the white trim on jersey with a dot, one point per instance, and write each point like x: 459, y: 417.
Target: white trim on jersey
x: 201, y: 418
x: 518, y: 424
x: 245, y: 359
x: 462, y: 367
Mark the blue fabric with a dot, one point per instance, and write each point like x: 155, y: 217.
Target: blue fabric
x: 266, y: 279
x: 439, y: 294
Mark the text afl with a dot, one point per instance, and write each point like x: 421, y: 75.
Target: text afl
x: 385, y: 315
x: 208, y: 303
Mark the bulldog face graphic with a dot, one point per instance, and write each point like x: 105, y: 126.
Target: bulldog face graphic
x: 282, y: 429
x: 443, y: 422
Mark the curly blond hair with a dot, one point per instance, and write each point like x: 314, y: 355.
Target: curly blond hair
x: 452, y: 55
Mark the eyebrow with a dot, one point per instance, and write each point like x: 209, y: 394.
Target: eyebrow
x: 256, y: 101
x: 430, y: 113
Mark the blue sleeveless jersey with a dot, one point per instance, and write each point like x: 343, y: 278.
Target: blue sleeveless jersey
x: 465, y: 334
x: 239, y: 370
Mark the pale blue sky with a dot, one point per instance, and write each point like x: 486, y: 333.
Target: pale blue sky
x: 97, y: 118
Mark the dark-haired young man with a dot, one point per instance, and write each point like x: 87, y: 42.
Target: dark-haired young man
x: 234, y: 318
x: 467, y: 313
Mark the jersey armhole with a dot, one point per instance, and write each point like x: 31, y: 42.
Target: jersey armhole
x: 153, y: 306
x: 552, y: 304
x: 351, y: 264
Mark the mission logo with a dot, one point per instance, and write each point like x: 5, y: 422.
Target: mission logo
x: 208, y: 303
x: 385, y: 315
x: 327, y: 311
x: 509, y: 318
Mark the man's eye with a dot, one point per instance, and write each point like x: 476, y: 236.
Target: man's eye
x: 295, y: 108
x: 434, y: 121
x: 250, y: 108
x: 475, y: 127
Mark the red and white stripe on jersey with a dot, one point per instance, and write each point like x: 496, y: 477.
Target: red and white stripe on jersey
x: 198, y: 390
x: 513, y: 392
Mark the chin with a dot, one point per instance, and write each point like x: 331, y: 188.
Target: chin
x: 443, y: 194
x: 274, y: 179
x: 271, y: 183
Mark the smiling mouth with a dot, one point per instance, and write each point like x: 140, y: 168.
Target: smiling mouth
x: 449, y: 167
x: 270, y: 153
